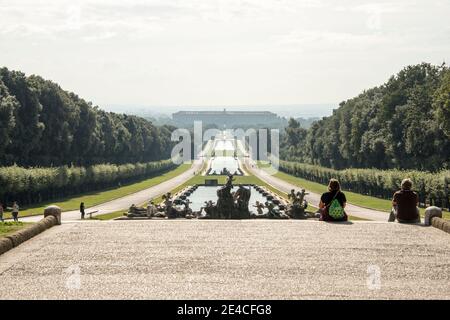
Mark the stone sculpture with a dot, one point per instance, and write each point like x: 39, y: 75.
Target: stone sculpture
x: 136, y: 212
x: 53, y: 211
x: 296, y: 209
x: 242, y: 198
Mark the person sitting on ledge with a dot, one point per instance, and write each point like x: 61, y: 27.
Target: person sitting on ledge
x: 404, y: 204
x: 15, y: 211
x: 332, y: 203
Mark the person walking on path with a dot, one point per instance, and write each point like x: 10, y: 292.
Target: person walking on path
x: 15, y: 211
x: 82, y: 210
x: 1, y: 212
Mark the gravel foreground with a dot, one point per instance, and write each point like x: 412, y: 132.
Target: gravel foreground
x: 249, y: 259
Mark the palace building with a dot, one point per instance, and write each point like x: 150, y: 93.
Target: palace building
x: 226, y: 118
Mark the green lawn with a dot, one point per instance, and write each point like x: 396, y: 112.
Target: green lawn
x: 224, y: 153
x: 263, y: 164
x: 109, y: 216
x: 93, y: 198
x: 9, y: 227
x: 353, y: 198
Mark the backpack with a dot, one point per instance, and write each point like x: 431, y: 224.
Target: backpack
x: 335, y: 210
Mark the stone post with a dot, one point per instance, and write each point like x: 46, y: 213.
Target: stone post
x: 432, y: 212
x: 53, y: 211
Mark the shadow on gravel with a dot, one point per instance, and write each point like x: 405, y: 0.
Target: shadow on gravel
x: 412, y: 224
x: 339, y: 222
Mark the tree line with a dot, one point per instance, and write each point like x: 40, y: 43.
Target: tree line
x: 402, y: 124
x: 44, y: 125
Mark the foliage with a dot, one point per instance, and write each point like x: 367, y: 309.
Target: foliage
x: 34, y: 185
x: 43, y: 125
x: 403, y: 124
x: 374, y: 182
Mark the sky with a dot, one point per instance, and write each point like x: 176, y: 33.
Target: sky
x: 284, y: 53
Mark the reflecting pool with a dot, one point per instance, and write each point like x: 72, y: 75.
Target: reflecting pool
x: 219, y: 163
x: 205, y: 193
x: 224, y: 145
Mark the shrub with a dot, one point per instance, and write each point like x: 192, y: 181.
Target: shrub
x: 31, y: 185
x: 431, y: 187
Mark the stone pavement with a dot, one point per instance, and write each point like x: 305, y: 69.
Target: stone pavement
x: 223, y: 259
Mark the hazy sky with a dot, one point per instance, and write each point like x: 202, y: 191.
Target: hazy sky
x: 230, y: 52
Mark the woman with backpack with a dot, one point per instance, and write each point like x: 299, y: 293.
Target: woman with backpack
x: 332, y: 203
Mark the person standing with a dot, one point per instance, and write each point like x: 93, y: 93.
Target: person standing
x: 15, y: 211
x: 82, y: 210
x: 1, y: 212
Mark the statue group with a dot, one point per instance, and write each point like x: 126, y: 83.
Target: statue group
x: 297, y: 208
x: 230, y: 205
x: 172, y: 212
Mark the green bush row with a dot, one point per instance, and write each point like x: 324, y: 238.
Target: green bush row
x: 29, y: 185
x: 431, y: 187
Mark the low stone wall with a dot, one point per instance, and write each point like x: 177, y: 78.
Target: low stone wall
x: 15, y: 239
x: 5, y: 245
x: 442, y: 224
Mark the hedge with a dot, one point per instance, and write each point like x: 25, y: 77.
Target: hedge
x: 33, y: 185
x: 432, y: 187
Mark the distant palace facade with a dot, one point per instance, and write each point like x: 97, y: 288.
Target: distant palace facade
x: 226, y: 118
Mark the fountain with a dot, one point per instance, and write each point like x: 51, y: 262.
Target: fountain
x: 230, y: 205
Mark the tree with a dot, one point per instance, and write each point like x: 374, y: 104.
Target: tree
x: 8, y: 104
x: 28, y: 129
x: 402, y: 124
x: 43, y: 125
x: 441, y: 103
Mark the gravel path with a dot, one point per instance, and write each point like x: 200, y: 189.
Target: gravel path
x: 249, y: 259
x: 136, y: 198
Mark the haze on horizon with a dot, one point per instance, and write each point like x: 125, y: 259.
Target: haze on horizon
x: 221, y: 53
